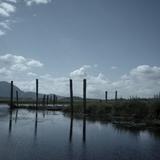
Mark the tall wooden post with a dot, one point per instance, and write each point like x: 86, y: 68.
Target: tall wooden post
x: 84, y: 96
x: 106, y: 96
x: 71, y: 96
x: 11, y: 96
x: 17, y: 101
x: 47, y: 99
x: 50, y: 99
x: 36, y: 94
x: 44, y: 99
x: 115, y: 95
x: 54, y: 99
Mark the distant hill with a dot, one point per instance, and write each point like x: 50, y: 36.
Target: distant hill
x: 5, y: 88
x: 5, y: 91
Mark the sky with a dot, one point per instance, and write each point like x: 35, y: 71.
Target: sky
x: 114, y: 44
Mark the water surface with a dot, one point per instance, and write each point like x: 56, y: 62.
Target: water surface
x: 48, y: 135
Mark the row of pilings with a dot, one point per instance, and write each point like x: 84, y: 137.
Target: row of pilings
x: 53, y: 98
x: 45, y: 100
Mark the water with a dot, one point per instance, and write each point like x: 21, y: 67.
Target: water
x: 51, y: 135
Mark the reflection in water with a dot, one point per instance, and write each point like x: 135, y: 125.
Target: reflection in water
x: 36, y: 123
x: 84, y: 128
x: 10, y: 122
x: 71, y: 129
x: 16, y: 116
x: 43, y: 113
x: 89, y: 143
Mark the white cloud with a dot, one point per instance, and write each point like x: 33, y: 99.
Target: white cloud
x: 6, y: 9
x: 146, y: 72
x: 30, y: 2
x: 34, y: 63
x: 80, y: 73
x: 114, y: 67
x: 31, y: 74
x: 12, y: 1
x: 2, y: 33
x: 18, y: 63
x: 144, y: 80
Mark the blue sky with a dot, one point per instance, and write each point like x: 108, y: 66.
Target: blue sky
x: 112, y: 43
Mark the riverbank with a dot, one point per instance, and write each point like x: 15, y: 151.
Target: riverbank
x: 131, y: 114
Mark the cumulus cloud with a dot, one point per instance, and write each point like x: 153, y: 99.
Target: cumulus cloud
x: 143, y: 80
x: 80, y: 73
x: 13, y: 1
x: 30, y: 2
x: 114, y: 67
x: 2, y: 33
x: 18, y: 63
x: 34, y: 63
x: 6, y: 9
x: 146, y: 72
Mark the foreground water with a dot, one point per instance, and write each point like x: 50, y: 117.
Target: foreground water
x: 53, y: 136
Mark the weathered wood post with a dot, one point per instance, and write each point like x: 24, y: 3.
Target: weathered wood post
x: 11, y: 96
x: 115, y: 95
x: 47, y: 99
x: 17, y: 101
x: 36, y: 94
x: 71, y: 96
x: 106, y: 96
x: 50, y: 99
x: 54, y: 99
x: 84, y: 96
x: 44, y: 100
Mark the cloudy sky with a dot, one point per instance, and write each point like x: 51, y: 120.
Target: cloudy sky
x: 115, y: 44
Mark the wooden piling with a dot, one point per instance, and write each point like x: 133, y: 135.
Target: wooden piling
x: 17, y: 100
x: 36, y: 94
x: 115, y: 95
x: 106, y: 96
x: 11, y: 96
x: 44, y: 100
x: 84, y: 96
x: 54, y: 99
x: 47, y: 99
x: 71, y: 96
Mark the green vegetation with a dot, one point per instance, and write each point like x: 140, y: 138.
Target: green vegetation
x: 136, y: 111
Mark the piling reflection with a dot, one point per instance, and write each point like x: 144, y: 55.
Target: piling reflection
x: 84, y: 128
x: 10, y: 122
x: 71, y: 129
x: 36, y: 124
x: 16, y: 117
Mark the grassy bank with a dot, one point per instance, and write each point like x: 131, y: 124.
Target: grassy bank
x: 131, y: 112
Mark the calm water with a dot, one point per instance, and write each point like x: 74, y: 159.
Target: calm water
x: 53, y: 136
